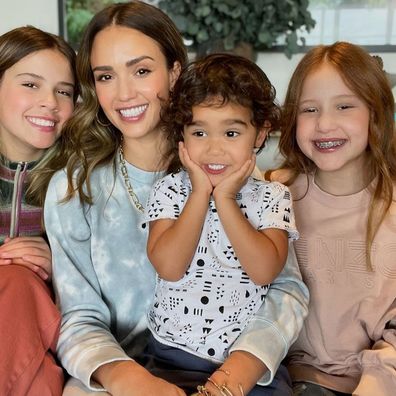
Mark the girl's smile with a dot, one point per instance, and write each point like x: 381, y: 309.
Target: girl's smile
x: 36, y: 96
x: 332, y: 125
x: 43, y: 123
x: 329, y: 145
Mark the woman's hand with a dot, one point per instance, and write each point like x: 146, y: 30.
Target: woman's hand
x: 233, y: 183
x: 199, y: 179
x: 31, y: 252
x: 128, y: 378
x: 239, y: 374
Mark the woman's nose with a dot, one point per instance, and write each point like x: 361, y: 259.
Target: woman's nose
x: 126, y: 89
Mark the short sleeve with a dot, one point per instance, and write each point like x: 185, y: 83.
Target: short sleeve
x: 277, y: 209
x: 167, y: 199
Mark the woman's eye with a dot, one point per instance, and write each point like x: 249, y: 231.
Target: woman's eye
x: 103, y: 77
x: 142, y: 71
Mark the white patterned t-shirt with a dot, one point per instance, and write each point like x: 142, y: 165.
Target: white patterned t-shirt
x: 205, y: 311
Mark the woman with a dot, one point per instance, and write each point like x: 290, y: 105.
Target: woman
x: 130, y: 57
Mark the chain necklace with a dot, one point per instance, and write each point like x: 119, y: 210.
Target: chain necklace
x: 132, y: 195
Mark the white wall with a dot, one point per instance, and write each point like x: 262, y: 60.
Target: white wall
x: 40, y: 13
x: 44, y: 14
x: 279, y: 69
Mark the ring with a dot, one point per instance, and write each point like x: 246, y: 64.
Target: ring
x: 202, y: 390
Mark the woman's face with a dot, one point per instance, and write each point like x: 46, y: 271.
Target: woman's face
x: 36, y: 96
x: 131, y: 78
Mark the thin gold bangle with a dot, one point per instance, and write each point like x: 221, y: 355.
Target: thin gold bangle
x: 214, y: 384
x: 226, y: 372
x: 225, y: 390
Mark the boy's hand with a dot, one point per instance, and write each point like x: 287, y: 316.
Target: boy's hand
x: 31, y: 252
x: 232, y: 184
x: 199, y: 179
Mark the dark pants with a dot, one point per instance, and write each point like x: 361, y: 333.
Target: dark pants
x: 308, y: 389
x: 188, y: 371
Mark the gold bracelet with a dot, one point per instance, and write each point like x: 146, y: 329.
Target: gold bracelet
x: 224, y: 390
x: 226, y: 372
x: 214, y: 384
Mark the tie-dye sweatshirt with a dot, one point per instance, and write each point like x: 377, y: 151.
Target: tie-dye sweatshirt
x: 105, y: 284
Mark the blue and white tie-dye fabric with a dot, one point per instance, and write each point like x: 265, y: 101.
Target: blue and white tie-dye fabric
x: 105, y: 284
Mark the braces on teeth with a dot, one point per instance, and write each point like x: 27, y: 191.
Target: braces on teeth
x: 329, y: 144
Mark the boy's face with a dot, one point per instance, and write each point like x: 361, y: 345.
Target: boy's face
x: 220, y: 139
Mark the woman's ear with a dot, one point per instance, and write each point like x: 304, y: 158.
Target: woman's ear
x: 174, y: 74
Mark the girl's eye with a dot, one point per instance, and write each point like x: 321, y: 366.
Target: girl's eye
x: 65, y: 93
x: 232, y: 134
x: 29, y: 85
x: 142, y: 71
x: 308, y: 110
x: 344, y: 107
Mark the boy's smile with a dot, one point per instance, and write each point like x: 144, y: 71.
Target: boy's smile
x: 221, y: 138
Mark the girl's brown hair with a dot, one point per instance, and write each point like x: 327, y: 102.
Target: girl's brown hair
x: 216, y: 80
x: 363, y: 74
x: 89, y: 139
x: 15, y: 45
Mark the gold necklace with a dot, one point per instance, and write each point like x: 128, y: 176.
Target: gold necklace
x: 132, y: 195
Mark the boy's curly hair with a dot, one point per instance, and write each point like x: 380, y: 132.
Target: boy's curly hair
x: 216, y: 80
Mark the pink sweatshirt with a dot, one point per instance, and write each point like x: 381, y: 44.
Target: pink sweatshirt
x: 348, y: 342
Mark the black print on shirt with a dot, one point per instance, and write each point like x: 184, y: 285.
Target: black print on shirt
x: 208, y: 308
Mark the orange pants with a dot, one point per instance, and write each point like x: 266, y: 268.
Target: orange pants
x: 29, y: 328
